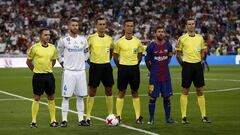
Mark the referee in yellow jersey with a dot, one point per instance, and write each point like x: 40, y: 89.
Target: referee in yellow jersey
x: 191, y: 45
x: 40, y: 59
x: 127, y: 56
x: 100, y: 48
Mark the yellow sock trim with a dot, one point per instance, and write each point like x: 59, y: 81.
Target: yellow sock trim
x: 201, y: 103
x: 109, y: 103
x: 52, y: 110
x: 90, y: 102
x: 35, y: 108
x: 136, y: 105
x: 183, y: 102
x: 119, y: 106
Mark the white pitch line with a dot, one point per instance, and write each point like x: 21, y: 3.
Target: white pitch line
x: 229, y: 80
x: 214, y: 91
x: 94, y: 117
x: 209, y: 91
x: 214, y: 79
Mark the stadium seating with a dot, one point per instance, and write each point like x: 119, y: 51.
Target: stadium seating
x: 218, y: 21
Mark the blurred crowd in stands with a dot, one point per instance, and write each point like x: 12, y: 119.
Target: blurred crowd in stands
x: 217, y: 20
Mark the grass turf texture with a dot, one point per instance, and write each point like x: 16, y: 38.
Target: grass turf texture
x: 223, y: 108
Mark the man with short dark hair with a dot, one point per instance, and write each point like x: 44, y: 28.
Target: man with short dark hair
x: 191, y: 45
x: 100, y: 48
x: 127, y: 56
x: 43, y: 55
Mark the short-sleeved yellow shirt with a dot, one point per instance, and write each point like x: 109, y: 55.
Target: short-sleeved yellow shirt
x: 99, y: 48
x: 42, y: 57
x: 128, y: 50
x: 191, y: 47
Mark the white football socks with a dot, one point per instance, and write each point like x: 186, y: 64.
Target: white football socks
x: 65, y: 107
x: 80, y: 108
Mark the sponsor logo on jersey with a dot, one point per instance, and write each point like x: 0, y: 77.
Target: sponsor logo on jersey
x: 160, y: 58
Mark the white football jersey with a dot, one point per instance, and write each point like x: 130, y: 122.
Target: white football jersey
x: 73, y: 52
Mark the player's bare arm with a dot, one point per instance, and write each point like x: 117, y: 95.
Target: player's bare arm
x: 115, y: 56
x: 30, y: 65
x: 139, y: 57
x: 53, y: 62
x: 179, y: 58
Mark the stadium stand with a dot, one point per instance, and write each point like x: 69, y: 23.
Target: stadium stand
x: 217, y: 20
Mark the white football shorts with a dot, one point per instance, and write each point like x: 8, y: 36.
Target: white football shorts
x: 74, y: 82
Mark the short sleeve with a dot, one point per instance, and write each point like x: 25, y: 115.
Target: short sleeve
x: 116, y: 48
x: 31, y: 53
x: 179, y: 45
x: 55, y: 54
x: 140, y: 47
x: 111, y: 43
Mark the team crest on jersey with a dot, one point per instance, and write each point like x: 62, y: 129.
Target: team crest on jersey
x: 150, y: 88
x: 165, y: 50
x: 198, y: 49
x: 135, y: 51
x: 108, y: 49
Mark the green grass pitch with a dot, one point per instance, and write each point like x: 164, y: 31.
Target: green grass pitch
x: 222, y: 93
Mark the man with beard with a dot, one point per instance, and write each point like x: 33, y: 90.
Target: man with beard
x: 72, y: 54
x: 158, y: 56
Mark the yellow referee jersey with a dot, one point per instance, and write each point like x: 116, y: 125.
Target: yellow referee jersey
x: 128, y: 50
x: 99, y: 48
x: 191, y: 47
x: 42, y: 57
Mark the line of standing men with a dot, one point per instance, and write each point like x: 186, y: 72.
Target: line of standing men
x: 73, y: 51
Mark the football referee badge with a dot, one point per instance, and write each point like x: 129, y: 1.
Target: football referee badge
x: 150, y: 88
x: 135, y: 51
x: 108, y: 49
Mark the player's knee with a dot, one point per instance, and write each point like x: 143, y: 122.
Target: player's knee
x: 92, y: 92
x: 108, y: 91
x: 50, y: 97
x: 185, y: 91
x: 166, y: 98
x: 37, y: 97
x: 152, y: 100
x: 134, y: 93
x: 199, y: 93
x: 121, y: 93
